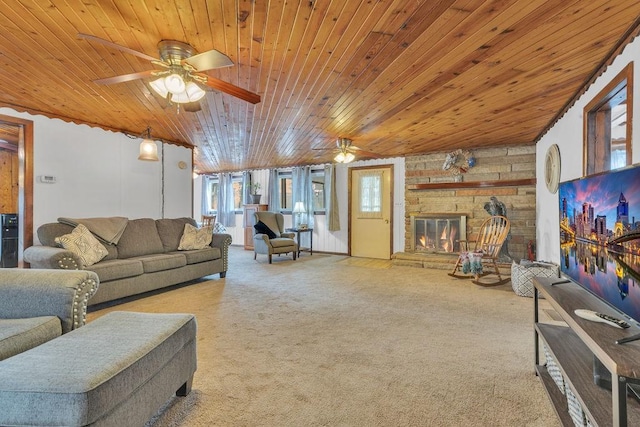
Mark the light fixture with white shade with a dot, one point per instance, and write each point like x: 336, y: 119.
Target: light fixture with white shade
x: 344, y: 157
x: 176, y: 89
x: 192, y: 93
x: 148, y: 147
x: 299, y: 209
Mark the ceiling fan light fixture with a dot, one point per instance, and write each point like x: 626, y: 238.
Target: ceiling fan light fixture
x: 349, y: 157
x: 192, y: 93
x: 175, y: 83
x: 159, y: 87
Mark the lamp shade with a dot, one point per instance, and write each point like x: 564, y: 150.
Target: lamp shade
x: 175, y: 83
x: 148, y: 150
x: 344, y: 157
x: 299, y: 208
x: 191, y: 93
x: 159, y: 87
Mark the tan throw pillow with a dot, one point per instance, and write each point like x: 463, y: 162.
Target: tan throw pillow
x: 83, y: 244
x: 195, y: 238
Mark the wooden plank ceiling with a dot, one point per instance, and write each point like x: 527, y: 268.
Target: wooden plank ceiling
x: 398, y: 77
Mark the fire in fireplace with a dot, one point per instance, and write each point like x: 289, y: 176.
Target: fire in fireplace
x: 437, y: 233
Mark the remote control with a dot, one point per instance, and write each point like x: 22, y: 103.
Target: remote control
x: 603, y: 318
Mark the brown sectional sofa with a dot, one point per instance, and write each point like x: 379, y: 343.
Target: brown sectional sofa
x: 145, y: 258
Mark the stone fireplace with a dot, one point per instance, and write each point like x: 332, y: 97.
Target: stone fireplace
x: 439, y: 233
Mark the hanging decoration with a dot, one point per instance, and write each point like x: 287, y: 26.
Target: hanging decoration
x: 459, y: 161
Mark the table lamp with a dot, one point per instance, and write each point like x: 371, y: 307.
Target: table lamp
x: 299, y: 209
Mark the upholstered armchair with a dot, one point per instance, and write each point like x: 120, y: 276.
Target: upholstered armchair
x: 269, y: 236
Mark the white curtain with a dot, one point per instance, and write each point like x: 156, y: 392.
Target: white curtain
x: 226, y: 205
x: 302, y: 189
x: 370, y: 186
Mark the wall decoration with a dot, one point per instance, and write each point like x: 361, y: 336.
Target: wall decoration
x: 459, y: 161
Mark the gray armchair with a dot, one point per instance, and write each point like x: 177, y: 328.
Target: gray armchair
x: 280, y: 242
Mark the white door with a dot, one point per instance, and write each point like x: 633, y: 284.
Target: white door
x: 370, y: 212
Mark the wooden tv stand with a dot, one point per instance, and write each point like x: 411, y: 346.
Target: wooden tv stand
x: 574, y: 347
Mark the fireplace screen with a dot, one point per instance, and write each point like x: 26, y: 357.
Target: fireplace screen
x: 438, y: 233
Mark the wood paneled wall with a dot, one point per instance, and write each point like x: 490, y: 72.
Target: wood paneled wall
x: 8, y: 181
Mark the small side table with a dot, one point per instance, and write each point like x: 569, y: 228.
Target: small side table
x: 303, y: 230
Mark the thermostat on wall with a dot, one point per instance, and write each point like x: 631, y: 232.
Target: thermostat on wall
x: 47, y: 179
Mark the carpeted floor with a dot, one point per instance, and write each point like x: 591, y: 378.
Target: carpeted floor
x: 323, y: 342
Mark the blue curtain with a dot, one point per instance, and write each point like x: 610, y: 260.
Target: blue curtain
x: 302, y: 189
x: 272, y: 191
x: 226, y: 206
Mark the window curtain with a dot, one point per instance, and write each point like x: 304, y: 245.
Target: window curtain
x: 332, y: 210
x: 226, y: 207
x: 246, y: 188
x: 206, y: 195
x: 302, y: 189
x: 370, y: 203
x: 272, y: 191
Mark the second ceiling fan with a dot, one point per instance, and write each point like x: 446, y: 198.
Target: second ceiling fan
x: 180, y: 78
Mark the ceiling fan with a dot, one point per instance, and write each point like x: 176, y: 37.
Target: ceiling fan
x: 345, y: 151
x: 180, y: 78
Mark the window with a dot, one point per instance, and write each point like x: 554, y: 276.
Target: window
x: 370, y: 194
x: 286, y: 191
x: 212, y: 192
x: 607, y: 130
x: 317, y: 185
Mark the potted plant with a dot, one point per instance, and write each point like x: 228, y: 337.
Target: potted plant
x: 255, y: 197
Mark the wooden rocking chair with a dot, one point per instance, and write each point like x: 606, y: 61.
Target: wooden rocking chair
x: 492, y: 235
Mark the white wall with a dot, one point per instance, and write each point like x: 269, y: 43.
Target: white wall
x: 568, y: 134
x: 98, y: 174
x: 323, y: 239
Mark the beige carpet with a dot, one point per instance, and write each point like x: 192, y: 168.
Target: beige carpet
x: 323, y: 342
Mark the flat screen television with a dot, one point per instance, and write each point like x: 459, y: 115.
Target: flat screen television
x: 600, y: 236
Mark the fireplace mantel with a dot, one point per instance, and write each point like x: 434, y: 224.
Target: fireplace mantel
x: 472, y: 184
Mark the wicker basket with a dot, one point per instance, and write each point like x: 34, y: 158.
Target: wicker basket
x: 522, y: 276
x: 553, y: 369
x: 575, y: 409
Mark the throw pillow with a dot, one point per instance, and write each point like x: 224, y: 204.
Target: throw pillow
x: 83, y: 244
x: 262, y: 228
x: 195, y: 238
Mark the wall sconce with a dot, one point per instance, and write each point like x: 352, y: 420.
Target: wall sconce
x: 148, y: 147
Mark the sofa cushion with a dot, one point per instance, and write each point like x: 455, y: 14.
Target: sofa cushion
x: 83, y: 244
x: 152, y: 263
x: 195, y: 238
x: 171, y: 230
x: 281, y: 242
x: 18, y: 335
x: 117, y: 269
x: 140, y: 237
x: 201, y: 255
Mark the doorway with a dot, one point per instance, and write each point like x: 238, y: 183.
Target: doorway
x: 370, y: 213
x: 17, y: 137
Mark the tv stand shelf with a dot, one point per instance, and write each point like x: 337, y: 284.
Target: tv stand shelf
x: 574, y: 348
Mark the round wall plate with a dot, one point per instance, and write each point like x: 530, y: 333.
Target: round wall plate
x: 552, y: 168
x: 182, y: 164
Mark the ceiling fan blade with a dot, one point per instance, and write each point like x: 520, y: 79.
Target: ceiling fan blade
x: 231, y: 89
x: 361, y: 151
x: 116, y: 46
x: 208, y: 60
x: 125, y: 78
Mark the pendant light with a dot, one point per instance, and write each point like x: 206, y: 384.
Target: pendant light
x: 148, y: 147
